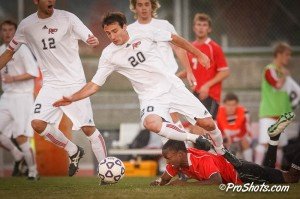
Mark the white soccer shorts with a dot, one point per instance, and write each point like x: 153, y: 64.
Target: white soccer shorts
x: 178, y: 99
x: 15, y: 109
x: 79, y: 112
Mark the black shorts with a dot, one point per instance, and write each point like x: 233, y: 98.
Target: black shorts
x: 210, y: 104
x: 251, y: 172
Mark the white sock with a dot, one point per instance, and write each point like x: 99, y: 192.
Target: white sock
x: 216, y: 137
x: 98, y: 145
x: 260, y: 151
x: 29, y: 157
x: 172, y: 132
x: 189, y: 144
x: 55, y: 136
x: 248, y: 155
x: 9, y: 145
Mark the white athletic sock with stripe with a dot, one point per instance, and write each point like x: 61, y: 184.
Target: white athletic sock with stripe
x: 9, y: 145
x: 55, y: 136
x: 173, y: 132
x: 217, y: 139
x: 98, y: 145
x: 29, y: 157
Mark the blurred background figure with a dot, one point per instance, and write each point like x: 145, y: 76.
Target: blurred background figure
x: 274, y: 100
x: 233, y: 120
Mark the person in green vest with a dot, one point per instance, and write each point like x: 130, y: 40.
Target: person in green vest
x: 274, y: 101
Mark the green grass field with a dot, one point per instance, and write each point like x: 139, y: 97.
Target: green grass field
x: 131, y: 188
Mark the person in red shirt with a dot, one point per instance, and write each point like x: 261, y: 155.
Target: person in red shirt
x: 234, y: 122
x: 208, y: 168
x: 209, y: 81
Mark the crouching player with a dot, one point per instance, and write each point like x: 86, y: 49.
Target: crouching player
x: 211, y: 169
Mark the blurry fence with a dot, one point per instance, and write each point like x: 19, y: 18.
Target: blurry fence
x: 240, y: 26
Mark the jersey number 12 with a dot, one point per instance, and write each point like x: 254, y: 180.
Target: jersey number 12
x: 51, y: 43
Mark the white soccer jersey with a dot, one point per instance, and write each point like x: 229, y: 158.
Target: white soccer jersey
x: 140, y: 61
x: 164, y: 47
x: 21, y: 63
x: 54, y: 42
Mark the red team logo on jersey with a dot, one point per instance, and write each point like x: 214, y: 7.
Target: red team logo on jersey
x: 136, y: 44
x: 52, y: 30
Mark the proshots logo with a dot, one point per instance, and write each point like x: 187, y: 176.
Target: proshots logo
x: 251, y: 187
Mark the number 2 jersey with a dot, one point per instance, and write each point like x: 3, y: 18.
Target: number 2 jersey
x: 139, y: 60
x: 54, y: 42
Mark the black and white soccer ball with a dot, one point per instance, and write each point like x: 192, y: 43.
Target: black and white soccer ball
x: 111, y: 170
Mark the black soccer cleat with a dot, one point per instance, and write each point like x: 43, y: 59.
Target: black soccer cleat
x: 202, y: 143
x: 231, y: 158
x: 74, y: 161
x: 18, y: 167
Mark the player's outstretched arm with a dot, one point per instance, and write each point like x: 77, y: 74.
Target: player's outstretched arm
x: 5, y: 57
x: 88, y: 90
x: 215, y: 179
x: 182, y: 43
x: 163, y: 180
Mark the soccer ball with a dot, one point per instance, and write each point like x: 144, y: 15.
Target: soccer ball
x: 111, y: 170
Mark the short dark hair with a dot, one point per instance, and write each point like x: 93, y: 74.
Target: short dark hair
x: 112, y: 17
x: 174, y: 145
x: 231, y: 97
x: 8, y: 22
x: 202, y: 17
x: 280, y: 47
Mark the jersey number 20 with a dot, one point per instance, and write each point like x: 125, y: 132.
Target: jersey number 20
x: 135, y: 60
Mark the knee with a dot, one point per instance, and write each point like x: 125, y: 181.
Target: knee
x: 21, y: 139
x: 88, y: 130
x: 153, y: 123
x: 38, y: 125
x: 207, y: 124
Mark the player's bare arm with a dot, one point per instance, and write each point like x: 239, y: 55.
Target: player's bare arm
x: 16, y: 78
x: 182, y: 43
x: 220, y: 76
x: 163, y: 180
x: 92, y: 41
x: 215, y: 179
x: 5, y: 57
x: 88, y: 90
x: 184, y: 61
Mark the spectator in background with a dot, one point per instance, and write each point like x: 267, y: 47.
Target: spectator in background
x: 209, y: 81
x: 234, y: 121
x: 16, y: 102
x: 274, y: 100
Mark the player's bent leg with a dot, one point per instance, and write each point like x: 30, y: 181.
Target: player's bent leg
x: 38, y: 126
x: 156, y: 124
x: 29, y: 157
x: 206, y: 123
x: 293, y: 175
x: 97, y: 141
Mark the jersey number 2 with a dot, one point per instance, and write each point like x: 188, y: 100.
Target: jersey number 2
x: 134, y: 61
x: 51, y: 43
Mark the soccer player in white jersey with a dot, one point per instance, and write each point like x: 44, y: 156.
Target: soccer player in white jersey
x: 17, y: 100
x: 52, y: 35
x: 145, y: 13
x: 134, y: 54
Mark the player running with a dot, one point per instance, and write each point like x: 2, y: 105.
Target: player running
x: 134, y: 54
x: 52, y: 35
x: 208, y: 168
x: 16, y: 102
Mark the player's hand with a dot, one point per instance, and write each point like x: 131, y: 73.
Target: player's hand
x: 203, y: 92
x: 155, y: 182
x: 204, y: 60
x: 63, y: 102
x: 191, y: 79
x: 177, y: 183
x: 92, y: 41
x: 8, y: 79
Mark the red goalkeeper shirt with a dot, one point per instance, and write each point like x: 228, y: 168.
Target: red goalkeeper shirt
x: 203, y: 164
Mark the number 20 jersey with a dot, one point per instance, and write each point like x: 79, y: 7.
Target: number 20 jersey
x: 140, y: 61
x: 54, y: 42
